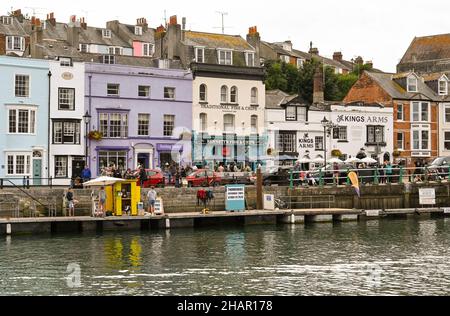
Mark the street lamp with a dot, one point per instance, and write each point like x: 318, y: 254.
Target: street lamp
x: 377, y: 139
x: 87, y: 120
x: 327, y: 127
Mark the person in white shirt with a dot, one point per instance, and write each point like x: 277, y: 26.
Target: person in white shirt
x: 151, y: 197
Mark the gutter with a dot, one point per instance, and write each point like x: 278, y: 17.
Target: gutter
x: 49, y: 123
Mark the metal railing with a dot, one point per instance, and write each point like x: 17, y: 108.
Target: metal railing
x: 304, y: 202
x: 373, y: 176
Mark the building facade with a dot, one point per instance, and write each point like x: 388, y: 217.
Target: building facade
x: 24, y: 110
x: 228, y: 115
x: 67, y: 128
x: 143, y: 114
x: 415, y: 108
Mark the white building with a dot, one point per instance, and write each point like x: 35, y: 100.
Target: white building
x: 228, y: 115
x: 295, y: 129
x: 67, y: 128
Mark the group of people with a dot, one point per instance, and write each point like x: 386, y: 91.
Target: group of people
x: 232, y: 167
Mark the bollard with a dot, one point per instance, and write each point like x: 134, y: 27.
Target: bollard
x: 291, y: 180
x: 1, y: 184
x: 28, y: 182
x: 50, y: 182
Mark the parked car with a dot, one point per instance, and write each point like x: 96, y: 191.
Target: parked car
x: 155, y: 178
x: 203, y: 177
x: 236, y: 178
x: 279, y: 177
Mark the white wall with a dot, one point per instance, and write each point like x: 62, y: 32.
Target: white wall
x: 242, y: 112
x: 444, y: 127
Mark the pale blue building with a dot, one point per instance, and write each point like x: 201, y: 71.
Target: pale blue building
x: 24, y: 111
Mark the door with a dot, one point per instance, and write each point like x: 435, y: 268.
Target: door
x: 37, y: 171
x: 77, y: 167
x: 144, y: 160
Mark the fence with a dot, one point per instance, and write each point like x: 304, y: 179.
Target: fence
x: 373, y: 176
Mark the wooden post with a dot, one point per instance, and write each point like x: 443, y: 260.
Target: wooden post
x: 259, y: 190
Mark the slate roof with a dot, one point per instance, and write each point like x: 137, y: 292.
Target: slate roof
x: 215, y: 41
x: 93, y: 35
x: 147, y: 36
x: 428, y: 48
x: 386, y: 82
x: 15, y: 28
x: 275, y: 98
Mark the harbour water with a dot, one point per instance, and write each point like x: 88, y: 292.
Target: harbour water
x: 385, y: 257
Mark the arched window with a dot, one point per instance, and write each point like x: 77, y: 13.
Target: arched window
x: 203, y: 122
x: 228, y: 123
x: 254, y: 96
x: 254, y: 124
x: 203, y: 96
x: 224, y: 94
x: 234, y: 94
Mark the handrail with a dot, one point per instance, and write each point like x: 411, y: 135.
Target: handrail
x: 26, y: 193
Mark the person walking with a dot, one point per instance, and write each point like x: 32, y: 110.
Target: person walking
x: 86, y: 174
x: 142, y: 176
x: 388, y: 172
x: 71, y: 202
x: 151, y: 198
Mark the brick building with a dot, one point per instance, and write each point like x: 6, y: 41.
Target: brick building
x: 416, y: 108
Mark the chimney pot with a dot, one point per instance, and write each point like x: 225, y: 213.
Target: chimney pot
x: 337, y: 56
x: 173, y: 20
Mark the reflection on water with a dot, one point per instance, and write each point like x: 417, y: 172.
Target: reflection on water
x: 405, y: 257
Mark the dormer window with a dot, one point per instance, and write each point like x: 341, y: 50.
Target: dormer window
x: 115, y: 50
x: 138, y: 30
x: 15, y: 43
x: 84, y: 48
x: 106, y: 33
x: 443, y: 87
x: 250, y: 59
x: 7, y: 20
x: 65, y: 61
x: 199, y: 54
x: 225, y: 57
x: 109, y: 59
x: 412, y: 83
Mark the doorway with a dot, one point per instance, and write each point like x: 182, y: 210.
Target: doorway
x: 37, y: 171
x: 143, y: 159
x: 77, y: 167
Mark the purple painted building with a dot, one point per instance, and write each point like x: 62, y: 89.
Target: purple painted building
x: 144, y: 115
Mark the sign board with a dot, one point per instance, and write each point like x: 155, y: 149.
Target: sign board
x: 373, y: 213
x: 427, y: 196
x: 159, y: 208
x: 447, y: 210
x: 235, y: 197
x: 269, y: 202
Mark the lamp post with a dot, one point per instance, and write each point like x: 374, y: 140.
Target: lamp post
x: 377, y: 134
x: 87, y: 119
x: 327, y: 127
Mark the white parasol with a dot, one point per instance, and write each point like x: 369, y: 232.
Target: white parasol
x: 353, y: 160
x: 368, y: 160
x: 102, y: 181
x: 335, y: 160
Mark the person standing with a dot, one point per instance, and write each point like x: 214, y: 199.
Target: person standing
x: 101, y: 201
x: 142, y: 176
x: 151, y: 197
x: 388, y: 172
x: 71, y: 202
x: 86, y: 174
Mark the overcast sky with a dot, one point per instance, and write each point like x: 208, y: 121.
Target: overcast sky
x: 377, y: 30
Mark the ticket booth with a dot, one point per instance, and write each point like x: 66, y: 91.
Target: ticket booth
x: 123, y: 197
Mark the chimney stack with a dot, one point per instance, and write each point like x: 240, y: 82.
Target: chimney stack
x: 36, y: 38
x: 359, y: 60
x: 173, y: 20
x: 73, y: 32
x: 337, y: 56
x: 51, y: 19
x: 254, y: 39
x: 318, y: 95
x: 83, y: 23
x: 314, y: 51
x: 173, y: 38
x: 183, y: 27
x: 18, y: 15
x: 142, y: 22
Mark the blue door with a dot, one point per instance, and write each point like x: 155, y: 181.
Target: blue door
x: 144, y: 160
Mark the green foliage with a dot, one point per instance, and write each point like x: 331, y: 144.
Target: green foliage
x: 286, y: 77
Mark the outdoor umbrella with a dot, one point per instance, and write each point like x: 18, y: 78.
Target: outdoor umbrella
x: 335, y: 160
x: 353, y: 160
x: 102, y: 181
x: 286, y: 157
x: 319, y: 160
x: 304, y: 160
x: 368, y: 160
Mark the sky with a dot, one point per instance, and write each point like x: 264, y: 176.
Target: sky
x: 379, y: 31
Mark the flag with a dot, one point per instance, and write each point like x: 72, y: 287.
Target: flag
x: 355, y: 182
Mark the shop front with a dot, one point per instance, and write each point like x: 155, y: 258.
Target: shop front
x: 169, y: 154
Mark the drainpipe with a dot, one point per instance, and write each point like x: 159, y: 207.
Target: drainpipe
x: 48, y: 124
x: 90, y: 111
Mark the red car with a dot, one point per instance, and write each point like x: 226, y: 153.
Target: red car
x: 203, y: 177
x: 155, y: 178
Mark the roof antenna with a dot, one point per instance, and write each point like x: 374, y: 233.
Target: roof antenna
x: 165, y: 19
x: 223, y: 21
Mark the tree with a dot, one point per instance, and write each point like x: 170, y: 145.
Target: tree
x: 275, y: 78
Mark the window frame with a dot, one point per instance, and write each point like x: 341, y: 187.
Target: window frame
x: 247, y: 55
x: 402, y: 106
x: 168, y: 124
x: 26, y: 86
x: 337, y: 133
x: 196, y: 49
x: 224, y: 93
x: 141, y: 128
x: 440, y: 92
x: 108, y: 89
x: 203, y: 124
x: 369, y: 139
x: 150, y: 49
x: 446, y: 107
x: 235, y: 95
x: 138, y: 30
x: 204, y: 93
x: 71, y: 107
x: 147, y: 89
x: 76, y: 133
x: 254, y: 124
x: 114, y: 49
x: 420, y: 128
x: 225, y: 60
x: 446, y: 141
x: 31, y: 120
x: 318, y: 140
x: 409, y: 85
x: 84, y: 50
x: 123, y: 128
x: 26, y: 165
x: 167, y: 93
x: 402, y: 147
x: 109, y: 59
x: 286, y: 142
x: 227, y: 126
x: 66, y: 169
x: 419, y: 113
x: 288, y: 116
x: 10, y: 42
x: 106, y: 33
x: 254, y: 97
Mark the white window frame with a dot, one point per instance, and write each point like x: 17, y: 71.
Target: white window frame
x: 168, y: 93
x: 203, y: 117
x: 229, y: 127
x: 403, y: 141
x: 254, y: 124
x: 142, y: 117
x: 254, y: 96
x: 445, y: 140
x: 225, y: 60
x: 69, y: 96
x: 300, y: 63
x: 138, y: 30
x: 27, y: 87
x: 106, y: 33
x: 168, y: 123
x: 62, y: 165
x: 410, y: 85
x: 247, y: 55
x: 420, y: 103
x: 402, y: 106
x: 65, y: 62
x: 116, y: 50
x: 111, y: 94
x: 203, y: 95
x: 318, y: 143
x: 446, y: 107
x: 109, y: 59
x: 27, y: 163
x: 150, y: 49
x: 301, y: 117
x: 11, y: 42
x: 420, y: 128
x: 121, y: 130
x: 148, y: 90
x: 84, y: 48
x: 32, y: 119
x: 236, y: 95
x: 66, y: 131
x: 445, y: 91
x: 7, y: 20
x: 224, y: 94
x: 196, y: 50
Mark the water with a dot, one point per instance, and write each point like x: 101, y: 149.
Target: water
x: 388, y: 257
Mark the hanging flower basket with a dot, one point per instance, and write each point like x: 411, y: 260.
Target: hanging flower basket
x: 396, y: 153
x: 336, y: 153
x: 95, y: 135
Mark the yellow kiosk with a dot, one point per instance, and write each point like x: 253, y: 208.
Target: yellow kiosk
x: 122, y: 198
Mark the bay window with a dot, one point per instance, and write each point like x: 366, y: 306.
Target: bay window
x: 66, y: 132
x: 114, y: 125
